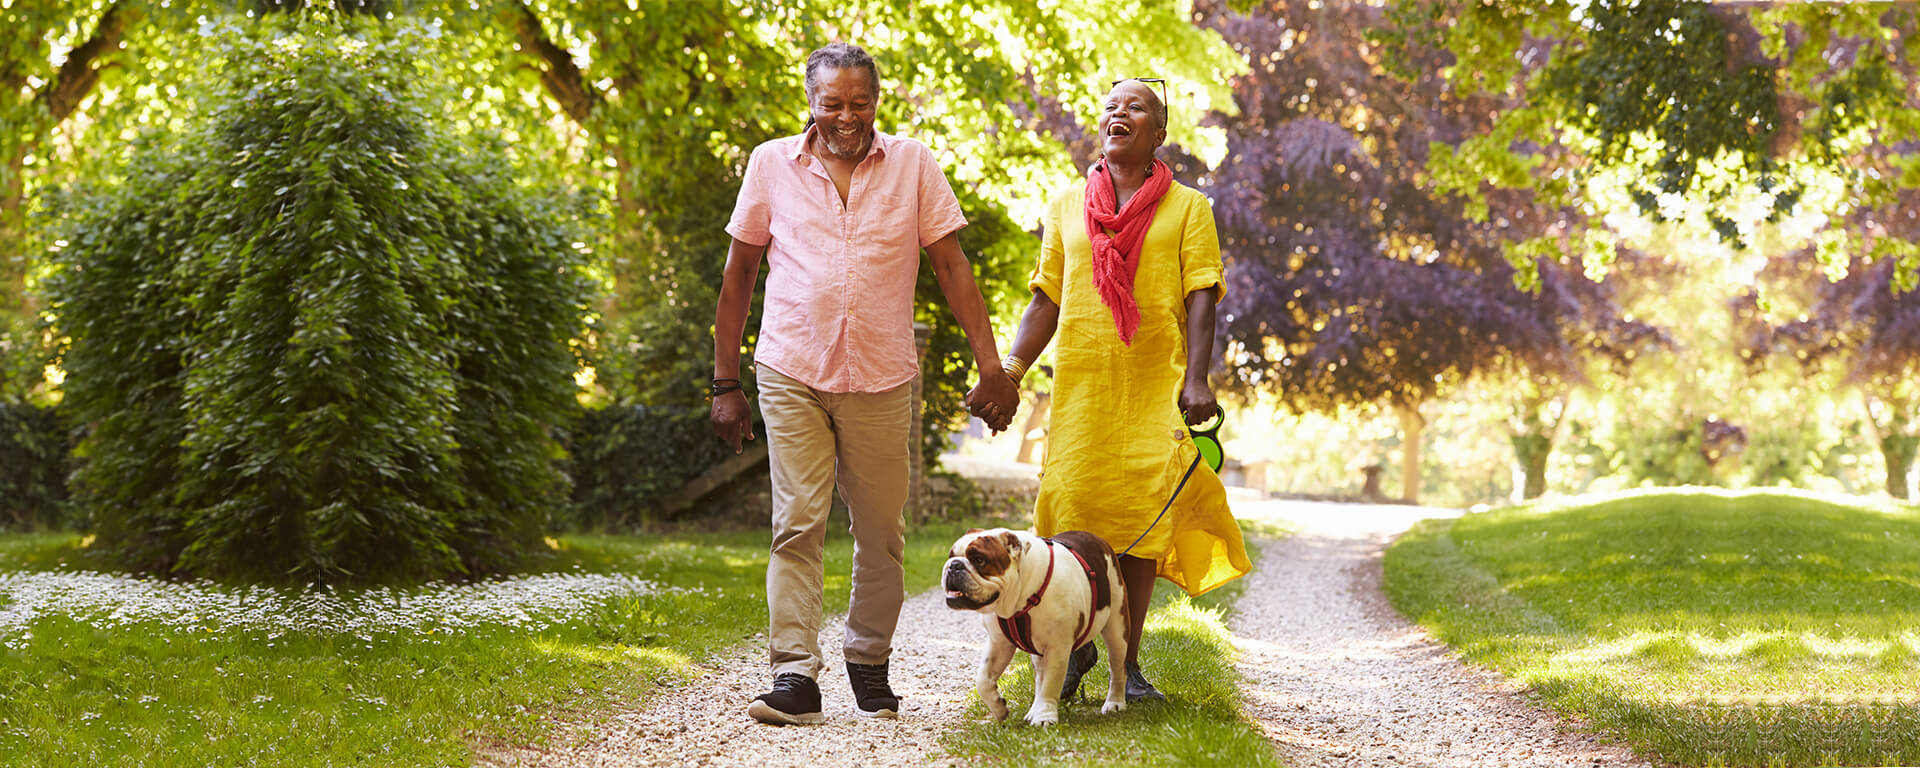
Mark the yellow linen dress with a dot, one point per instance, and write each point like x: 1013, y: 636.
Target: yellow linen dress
x: 1117, y: 445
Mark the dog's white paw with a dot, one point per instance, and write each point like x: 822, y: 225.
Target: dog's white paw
x: 1113, y: 706
x: 1039, y: 717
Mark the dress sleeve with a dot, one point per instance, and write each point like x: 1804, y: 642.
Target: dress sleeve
x: 1200, y: 266
x: 752, y: 215
x: 1050, y: 271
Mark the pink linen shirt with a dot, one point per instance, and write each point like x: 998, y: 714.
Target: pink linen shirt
x: 839, y: 305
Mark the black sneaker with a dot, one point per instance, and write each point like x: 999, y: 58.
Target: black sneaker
x: 871, y: 695
x: 795, y: 700
x: 1139, y: 689
x: 1078, y: 664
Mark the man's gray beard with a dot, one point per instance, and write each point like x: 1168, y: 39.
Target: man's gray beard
x: 848, y: 151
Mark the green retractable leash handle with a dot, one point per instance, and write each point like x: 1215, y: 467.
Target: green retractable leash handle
x: 1208, y: 441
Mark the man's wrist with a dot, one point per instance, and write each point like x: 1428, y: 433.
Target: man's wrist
x: 721, y: 385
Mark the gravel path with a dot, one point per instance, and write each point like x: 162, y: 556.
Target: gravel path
x: 704, y: 721
x: 1336, y: 678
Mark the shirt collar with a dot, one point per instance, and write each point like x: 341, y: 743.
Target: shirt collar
x: 881, y: 143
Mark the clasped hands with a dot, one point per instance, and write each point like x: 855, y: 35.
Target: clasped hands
x: 994, y: 400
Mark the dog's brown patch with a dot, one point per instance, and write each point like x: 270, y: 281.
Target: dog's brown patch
x: 954, y: 551
x: 990, y: 555
x: 1097, y: 554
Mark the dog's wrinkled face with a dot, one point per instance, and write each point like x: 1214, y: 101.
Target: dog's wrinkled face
x: 980, y: 568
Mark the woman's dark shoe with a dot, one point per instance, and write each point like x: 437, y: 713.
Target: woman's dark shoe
x: 1138, y: 689
x: 1078, y: 663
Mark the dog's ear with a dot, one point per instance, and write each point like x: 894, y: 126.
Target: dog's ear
x: 1014, y: 544
x: 971, y: 531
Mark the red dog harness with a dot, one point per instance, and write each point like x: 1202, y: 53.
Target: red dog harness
x: 1019, y: 629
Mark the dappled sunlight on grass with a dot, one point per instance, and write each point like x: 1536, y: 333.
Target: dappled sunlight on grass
x: 1691, y: 621
x: 1750, y: 667
x: 644, y: 657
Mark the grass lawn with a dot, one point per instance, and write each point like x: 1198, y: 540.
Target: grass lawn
x: 1187, y: 653
x: 160, y: 694
x: 1709, y: 628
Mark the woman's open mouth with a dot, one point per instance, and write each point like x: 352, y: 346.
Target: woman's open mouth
x: 1119, y: 129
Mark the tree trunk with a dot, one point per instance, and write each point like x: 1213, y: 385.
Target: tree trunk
x: 61, y: 96
x: 578, y: 98
x: 1533, y: 468
x: 1898, y: 450
x: 1891, y: 427
x: 1031, y: 438
x: 1534, y: 428
x: 1412, y: 425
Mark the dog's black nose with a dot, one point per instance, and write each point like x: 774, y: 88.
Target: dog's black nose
x: 956, y: 577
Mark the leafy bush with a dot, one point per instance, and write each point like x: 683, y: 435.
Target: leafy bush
x: 317, y: 336
x: 33, y: 467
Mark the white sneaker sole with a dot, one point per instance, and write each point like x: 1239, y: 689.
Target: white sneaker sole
x: 883, y: 714
x: 759, y: 710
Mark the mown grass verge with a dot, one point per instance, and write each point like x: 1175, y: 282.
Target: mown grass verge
x: 1708, y: 628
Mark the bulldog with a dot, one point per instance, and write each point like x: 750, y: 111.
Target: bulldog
x: 1043, y: 596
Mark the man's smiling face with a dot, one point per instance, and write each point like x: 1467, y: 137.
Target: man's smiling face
x: 843, y: 104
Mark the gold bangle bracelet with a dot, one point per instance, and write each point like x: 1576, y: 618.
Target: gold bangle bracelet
x: 1015, y: 367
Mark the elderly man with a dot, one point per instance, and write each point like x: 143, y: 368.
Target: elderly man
x: 841, y: 212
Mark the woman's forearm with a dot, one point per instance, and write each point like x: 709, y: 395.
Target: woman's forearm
x: 1200, y: 321
x: 1037, y: 325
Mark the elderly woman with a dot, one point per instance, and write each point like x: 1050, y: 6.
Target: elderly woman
x: 1128, y: 277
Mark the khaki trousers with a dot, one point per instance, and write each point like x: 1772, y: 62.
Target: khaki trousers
x: 815, y: 441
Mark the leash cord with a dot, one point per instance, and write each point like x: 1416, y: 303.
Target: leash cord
x: 1163, y: 510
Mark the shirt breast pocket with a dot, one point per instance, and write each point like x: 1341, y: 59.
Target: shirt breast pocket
x: 892, y: 221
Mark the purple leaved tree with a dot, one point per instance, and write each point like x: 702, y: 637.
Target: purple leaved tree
x: 1349, y: 281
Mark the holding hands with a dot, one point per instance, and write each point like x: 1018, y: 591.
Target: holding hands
x: 994, y: 400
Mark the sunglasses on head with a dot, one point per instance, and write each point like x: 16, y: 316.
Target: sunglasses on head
x: 1160, y: 81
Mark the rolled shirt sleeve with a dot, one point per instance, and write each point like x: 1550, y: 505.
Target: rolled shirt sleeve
x: 1050, y: 271
x: 940, y: 213
x: 752, y: 211
x: 1200, y: 266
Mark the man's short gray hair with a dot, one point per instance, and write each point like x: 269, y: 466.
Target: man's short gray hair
x: 839, y: 56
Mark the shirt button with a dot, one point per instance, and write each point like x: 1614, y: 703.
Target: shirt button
x: 1179, y: 433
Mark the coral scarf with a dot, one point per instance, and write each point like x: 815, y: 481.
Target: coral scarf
x: 1115, y: 260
